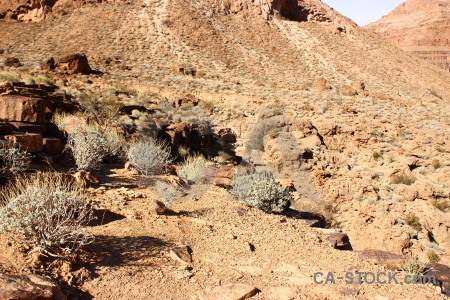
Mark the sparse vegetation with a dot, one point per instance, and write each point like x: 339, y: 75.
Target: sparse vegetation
x: 433, y: 257
x: 148, y: 156
x: 7, y: 76
x: 414, y: 267
x: 437, y: 164
x: 193, y: 169
x: 88, y: 148
x: 13, y: 159
x: 413, y: 221
x: 402, y: 178
x: 183, y: 151
x: 102, y: 109
x: 260, y: 190
x: 377, y: 156
x: 30, y: 80
x: 48, y: 212
x: 441, y: 204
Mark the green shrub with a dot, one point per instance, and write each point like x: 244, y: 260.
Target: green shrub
x: 437, y: 164
x: 47, y: 212
x: 402, y: 178
x: 193, y: 169
x: 13, y: 159
x: 88, y: 148
x: 260, y: 190
x: 433, y: 257
x: 7, y: 76
x: 377, y: 156
x: 148, y: 156
x: 102, y: 109
x: 413, y: 221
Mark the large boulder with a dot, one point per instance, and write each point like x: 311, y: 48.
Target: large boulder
x: 22, y: 109
x: 31, y: 142
x: 74, y: 64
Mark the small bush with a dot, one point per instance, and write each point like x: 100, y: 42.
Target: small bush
x: 183, y: 151
x: 101, y: 109
x: 13, y: 159
x: 433, y: 257
x: 441, y: 204
x: 88, y: 148
x: 47, y: 212
x: 193, y: 169
x: 437, y: 164
x: 6, y: 76
x: 414, y: 267
x: 413, y: 221
x: 148, y: 156
x: 402, y: 178
x: 377, y: 156
x: 260, y: 190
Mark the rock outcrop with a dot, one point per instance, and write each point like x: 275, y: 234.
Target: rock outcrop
x: 420, y: 27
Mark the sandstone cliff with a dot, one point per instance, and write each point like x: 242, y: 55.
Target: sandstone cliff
x: 420, y: 27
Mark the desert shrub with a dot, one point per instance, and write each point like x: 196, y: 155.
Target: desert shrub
x: 402, y: 178
x: 193, y: 169
x: 260, y: 190
x: 48, y: 212
x: 441, y: 204
x: 377, y: 156
x: 30, y: 80
x: 413, y: 221
x: 433, y: 257
x: 102, y: 109
x: 414, y: 267
x: 148, y: 156
x: 437, y: 164
x: 113, y: 140
x: 183, y: 151
x: 7, y: 76
x: 88, y: 148
x: 13, y: 159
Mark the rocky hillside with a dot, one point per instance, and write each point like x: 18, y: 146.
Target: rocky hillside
x: 420, y: 27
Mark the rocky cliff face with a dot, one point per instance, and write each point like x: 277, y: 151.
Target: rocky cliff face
x: 420, y: 27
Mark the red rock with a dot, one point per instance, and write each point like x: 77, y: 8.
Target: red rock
x: 73, y: 64
x: 12, y: 62
x: 229, y: 292
x: 29, y: 287
x: 28, y: 127
x: 31, y: 142
x: 182, y: 254
x: 19, y: 108
x: 53, y: 146
x: 420, y: 27
x: 157, y: 208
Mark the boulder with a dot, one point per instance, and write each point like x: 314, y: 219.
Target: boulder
x: 22, y: 109
x: 12, y: 62
x: 53, y: 146
x: 337, y: 239
x: 49, y: 65
x: 347, y: 90
x: 182, y: 254
x: 386, y: 259
x: 74, y: 64
x: 29, y: 287
x: 31, y: 142
x: 229, y: 292
x: 157, y: 208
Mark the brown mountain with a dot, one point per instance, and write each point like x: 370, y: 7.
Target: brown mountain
x: 420, y: 27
